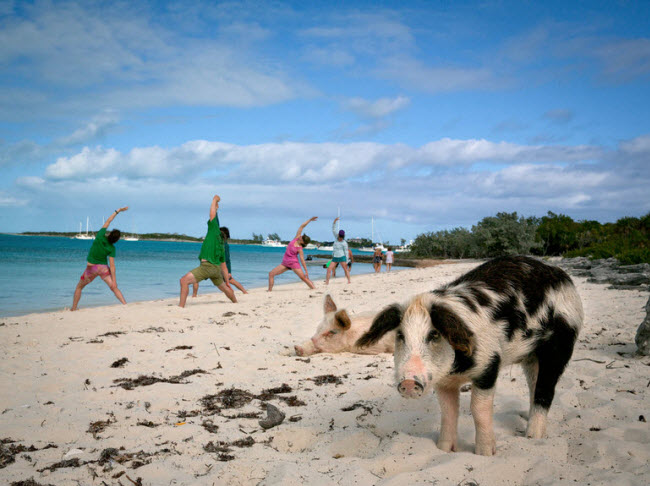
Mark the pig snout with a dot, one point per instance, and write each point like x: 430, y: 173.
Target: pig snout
x: 412, y: 380
x: 411, y: 388
x: 305, y: 349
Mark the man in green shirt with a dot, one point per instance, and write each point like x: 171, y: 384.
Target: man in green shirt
x: 100, y: 256
x: 213, y: 260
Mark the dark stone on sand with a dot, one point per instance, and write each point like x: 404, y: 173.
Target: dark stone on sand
x: 274, y: 416
x: 642, y: 338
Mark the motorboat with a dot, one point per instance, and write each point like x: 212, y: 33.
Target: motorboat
x: 273, y: 243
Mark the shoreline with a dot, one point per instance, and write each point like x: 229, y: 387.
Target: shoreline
x: 213, y: 291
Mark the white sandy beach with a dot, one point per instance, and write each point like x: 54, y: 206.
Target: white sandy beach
x: 345, y: 422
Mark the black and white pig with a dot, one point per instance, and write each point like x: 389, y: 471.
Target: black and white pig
x: 507, y: 310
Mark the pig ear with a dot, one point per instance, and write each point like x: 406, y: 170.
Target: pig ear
x: 387, y: 320
x: 342, y: 319
x: 453, y: 329
x: 329, y: 305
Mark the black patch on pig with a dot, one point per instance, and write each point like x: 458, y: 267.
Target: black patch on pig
x: 528, y: 275
x: 462, y: 363
x: 553, y: 352
x: 452, y: 328
x: 481, y: 297
x: 488, y: 378
x: 468, y: 303
x: 514, y: 317
x: 387, y: 320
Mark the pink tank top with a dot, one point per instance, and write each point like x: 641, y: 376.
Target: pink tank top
x: 290, y: 258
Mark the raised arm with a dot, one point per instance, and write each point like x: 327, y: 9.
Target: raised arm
x: 112, y: 216
x: 334, y: 232
x: 214, y: 207
x: 302, y: 226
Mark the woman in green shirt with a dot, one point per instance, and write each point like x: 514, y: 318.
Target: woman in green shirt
x: 101, y: 261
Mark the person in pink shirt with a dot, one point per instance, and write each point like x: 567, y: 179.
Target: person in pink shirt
x: 291, y: 260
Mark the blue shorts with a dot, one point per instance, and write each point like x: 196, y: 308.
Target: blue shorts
x: 342, y: 259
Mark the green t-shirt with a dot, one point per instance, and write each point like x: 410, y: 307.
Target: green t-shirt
x: 212, y: 248
x: 101, y: 249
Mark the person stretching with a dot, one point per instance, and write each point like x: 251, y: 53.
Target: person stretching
x: 340, y: 254
x: 290, y: 259
x: 225, y: 235
x: 213, y: 260
x: 97, y: 265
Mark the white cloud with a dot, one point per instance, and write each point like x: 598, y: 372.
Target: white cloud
x: 379, y: 108
x: 438, y: 79
x: 290, y: 162
x: 94, y: 129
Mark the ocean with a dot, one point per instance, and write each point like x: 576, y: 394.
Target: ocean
x: 40, y: 273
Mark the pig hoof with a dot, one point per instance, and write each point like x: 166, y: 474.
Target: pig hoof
x: 273, y: 417
x: 299, y: 351
x: 488, y: 449
x: 446, y: 446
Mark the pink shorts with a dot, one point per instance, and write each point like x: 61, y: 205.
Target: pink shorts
x: 292, y: 264
x: 93, y: 271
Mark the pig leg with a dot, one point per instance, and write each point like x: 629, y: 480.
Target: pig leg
x: 481, y: 406
x: 552, y: 354
x: 536, y: 416
x: 448, y: 398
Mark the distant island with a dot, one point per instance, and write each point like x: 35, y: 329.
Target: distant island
x: 143, y: 236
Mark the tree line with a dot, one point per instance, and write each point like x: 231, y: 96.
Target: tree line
x: 627, y: 240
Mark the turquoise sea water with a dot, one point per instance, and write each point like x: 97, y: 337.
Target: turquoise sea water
x: 39, y: 273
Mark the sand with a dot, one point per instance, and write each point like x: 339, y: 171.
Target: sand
x: 197, y: 378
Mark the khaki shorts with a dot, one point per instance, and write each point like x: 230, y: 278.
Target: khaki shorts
x: 208, y: 270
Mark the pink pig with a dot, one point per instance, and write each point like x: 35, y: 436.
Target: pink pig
x: 338, y: 333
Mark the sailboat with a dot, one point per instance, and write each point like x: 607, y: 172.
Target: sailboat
x: 84, y: 236
x: 378, y: 245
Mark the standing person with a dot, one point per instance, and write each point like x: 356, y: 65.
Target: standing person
x: 213, y: 260
x: 97, y: 264
x: 340, y: 253
x: 225, y: 235
x: 389, y: 258
x: 290, y: 259
x: 376, y: 259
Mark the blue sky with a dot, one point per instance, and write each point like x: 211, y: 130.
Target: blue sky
x: 423, y: 115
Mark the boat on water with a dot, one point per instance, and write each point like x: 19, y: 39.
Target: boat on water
x: 311, y: 246
x: 404, y: 248
x: 273, y: 243
x: 86, y: 235
x: 325, y: 248
x: 131, y: 238
x: 367, y: 249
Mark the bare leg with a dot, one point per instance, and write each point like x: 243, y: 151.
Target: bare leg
x: 187, y: 280
x: 388, y: 265
x: 238, y: 285
x: 195, y: 289
x: 228, y: 291
x: 113, y: 286
x: 482, y: 410
x: 346, y: 270
x: 274, y: 273
x: 331, y: 269
x: 77, y: 294
x: 302, y: 276
x: 448, y: 398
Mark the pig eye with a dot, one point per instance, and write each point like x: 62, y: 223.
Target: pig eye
x: 400, y: 336
x: 433, y: 336
x: 332, y: 332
